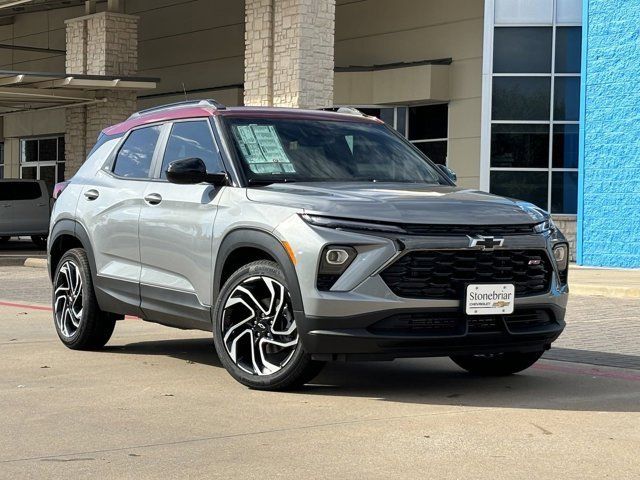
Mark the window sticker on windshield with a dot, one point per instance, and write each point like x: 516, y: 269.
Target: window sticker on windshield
x: 262, y: 149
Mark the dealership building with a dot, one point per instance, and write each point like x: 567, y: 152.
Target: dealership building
x: 536, y: 100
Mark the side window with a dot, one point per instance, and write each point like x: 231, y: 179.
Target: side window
x: 134, y: 158
x: 19, y: 191
x: 192, y: 140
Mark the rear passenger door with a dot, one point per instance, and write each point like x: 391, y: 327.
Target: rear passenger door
x: 109, y: 208
x: 176, y: 226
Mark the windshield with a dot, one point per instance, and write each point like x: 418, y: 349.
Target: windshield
x: 304, y: 150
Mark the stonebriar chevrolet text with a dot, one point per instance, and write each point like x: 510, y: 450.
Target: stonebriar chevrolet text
x: 299, y: 237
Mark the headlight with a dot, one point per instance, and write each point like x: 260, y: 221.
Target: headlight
x: 334, y: 260
x: 346, y: 224
x: 561, y: 256
x: 545, y: 226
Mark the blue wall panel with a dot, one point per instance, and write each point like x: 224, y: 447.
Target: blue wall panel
x: 609, y: 187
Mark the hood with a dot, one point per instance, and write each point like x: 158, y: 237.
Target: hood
x: 399, y: 203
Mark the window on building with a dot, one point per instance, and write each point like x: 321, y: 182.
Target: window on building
x: 134, y: 158
x: 192, y: 140
x: 43, y: 158
x: 426, y: 126
x: 1, y: 160
x: 535, y: 98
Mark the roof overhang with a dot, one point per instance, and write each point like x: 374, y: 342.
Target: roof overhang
x: 401, y: 83
x: 28, y: 91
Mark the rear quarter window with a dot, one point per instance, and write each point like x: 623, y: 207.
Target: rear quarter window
x: 135, y: 155
x: 19, y: 191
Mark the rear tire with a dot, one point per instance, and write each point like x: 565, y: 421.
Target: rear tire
x: 497, y: 364
x: 79, y: 322
x: 40, y: 241
x: 255, y: 334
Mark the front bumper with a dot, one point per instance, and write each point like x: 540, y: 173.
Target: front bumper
x: 356, y: 338
x: 342, y: 323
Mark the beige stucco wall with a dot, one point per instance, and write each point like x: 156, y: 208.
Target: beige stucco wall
x: 201, y: 44
x: 381, y: 31
x: 44, y: 30
x: 197, y: 45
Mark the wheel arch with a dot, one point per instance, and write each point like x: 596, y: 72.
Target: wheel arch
x: 244, y: 245
x: 65, y: 235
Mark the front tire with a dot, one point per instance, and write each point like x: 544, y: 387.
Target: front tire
x: 255, y: 333
x: 497, y: 364
x: 79, y: 322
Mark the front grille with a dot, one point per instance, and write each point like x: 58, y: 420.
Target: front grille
x: 444, y: 274
x: 470, y: 230
x: 430, y: 324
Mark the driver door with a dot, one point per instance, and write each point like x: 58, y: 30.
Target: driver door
x: 176, y: 229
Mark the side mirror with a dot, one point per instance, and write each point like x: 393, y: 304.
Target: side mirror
x: 189, y: 171
x: 450, y: 174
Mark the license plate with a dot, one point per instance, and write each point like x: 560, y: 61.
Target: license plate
x: 494, y: 299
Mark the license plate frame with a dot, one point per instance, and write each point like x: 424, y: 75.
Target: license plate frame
x: 489, y: 299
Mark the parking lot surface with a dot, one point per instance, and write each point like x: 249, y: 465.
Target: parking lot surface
x: 156, y: 403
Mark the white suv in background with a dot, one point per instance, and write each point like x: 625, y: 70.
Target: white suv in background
x: 25, y: 208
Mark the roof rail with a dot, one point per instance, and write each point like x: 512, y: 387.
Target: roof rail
x: 188, y: 103
x: 351, y: 111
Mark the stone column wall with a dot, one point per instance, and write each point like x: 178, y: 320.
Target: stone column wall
x: 289, y: 56
x: 103, y: 43
x: 258, y: 57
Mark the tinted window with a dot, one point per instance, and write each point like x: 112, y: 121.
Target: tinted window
x: 566, y: 98
x: 521, y: 98
x: 19, y: 191
x: 565, y: 145
x: 192, y: 140
x: 509, y: 43
x: 568, y: 49
x: 564, y: 192
x: 134, y: 158
x: 428, y: 121
x: 517, y: 145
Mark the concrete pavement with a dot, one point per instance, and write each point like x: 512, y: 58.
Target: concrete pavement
x: 156, y: 403
x: 608, y: 282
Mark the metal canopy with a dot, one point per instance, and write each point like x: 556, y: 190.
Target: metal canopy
x: 27, y: 91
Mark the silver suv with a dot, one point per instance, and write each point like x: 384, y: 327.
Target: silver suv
x: 299, y: 237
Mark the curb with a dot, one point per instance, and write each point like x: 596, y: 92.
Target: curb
x: 35, y: 262
x: 604, y: 291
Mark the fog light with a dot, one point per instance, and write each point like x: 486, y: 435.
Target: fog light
x: 335, y: 259
x: 561, y: 255
x: 336, y: 256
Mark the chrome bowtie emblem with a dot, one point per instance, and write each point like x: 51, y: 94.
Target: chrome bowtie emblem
x: 485, y: 243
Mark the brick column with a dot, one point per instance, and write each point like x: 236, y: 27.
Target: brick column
x: 289, y: 52
x: 103, y: 43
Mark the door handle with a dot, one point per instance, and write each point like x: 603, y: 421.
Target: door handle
x: 92, y: 194
x: 153, y: 198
